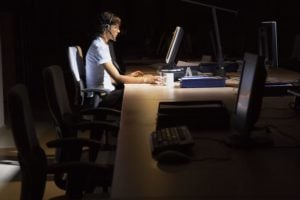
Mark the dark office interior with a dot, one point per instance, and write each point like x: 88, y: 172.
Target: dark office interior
x: 36, y: 34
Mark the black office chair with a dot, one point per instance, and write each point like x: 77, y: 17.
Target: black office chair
x: 81, y: 176
x: 83, y: 96
x: 116, y: 61
x: 68, y: 121
x: 82, y: 100
x: 63, y: 114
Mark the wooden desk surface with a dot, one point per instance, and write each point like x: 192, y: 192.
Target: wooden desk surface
x: 227, y: 174
x: 274, y: 75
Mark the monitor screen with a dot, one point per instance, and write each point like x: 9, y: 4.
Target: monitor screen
x: 268, y: 45
x: 174, y: 46
x: 250, y: 95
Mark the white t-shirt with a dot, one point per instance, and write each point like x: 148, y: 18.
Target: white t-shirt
x: 96, y: 75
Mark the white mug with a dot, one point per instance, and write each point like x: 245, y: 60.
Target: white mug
x: 169, y: 79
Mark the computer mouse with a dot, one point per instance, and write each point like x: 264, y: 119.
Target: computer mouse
x: 172, y: 157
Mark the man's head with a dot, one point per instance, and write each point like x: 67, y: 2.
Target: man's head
x: 109, y: 24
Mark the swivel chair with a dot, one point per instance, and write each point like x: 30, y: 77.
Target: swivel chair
x: 60, y: 108
x: 68, y: 121
x: 83, y: 96
x: 87, y: 97
x: 81, y: 176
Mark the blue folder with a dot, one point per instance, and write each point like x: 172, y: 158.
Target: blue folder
x: 202, y: 81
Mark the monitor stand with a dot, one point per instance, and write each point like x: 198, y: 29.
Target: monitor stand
x: 172, y: 68
x: 221, y: 72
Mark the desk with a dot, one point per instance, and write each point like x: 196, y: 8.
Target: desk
x: 274, y: 75
x: 279, y: 75
x: 261, y: 174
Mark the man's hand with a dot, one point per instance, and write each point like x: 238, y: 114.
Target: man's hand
x: 136, y: 74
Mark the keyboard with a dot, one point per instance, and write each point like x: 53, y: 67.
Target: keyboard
x: 176, y: 138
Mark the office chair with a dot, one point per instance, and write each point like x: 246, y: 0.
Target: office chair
x: 82, y: 100
x: 68, y: 121
x: 33, y: 160
x: 83, y: 96
x: 116, y: 61
x: 59, y: 104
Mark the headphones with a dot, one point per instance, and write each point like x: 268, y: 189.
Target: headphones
x: 110, y: 21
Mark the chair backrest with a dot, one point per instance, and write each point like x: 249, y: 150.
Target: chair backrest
x: 114, y: 57
x: 76, y: 63
x: 32, y: 157
x: 57, y: 98
x: 81, y: 97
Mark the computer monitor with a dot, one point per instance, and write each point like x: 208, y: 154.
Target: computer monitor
x: 248, y: 102
x: 174, y: 47
x: 267, y: 43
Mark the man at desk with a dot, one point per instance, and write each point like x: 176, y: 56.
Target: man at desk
x: 101, y: 72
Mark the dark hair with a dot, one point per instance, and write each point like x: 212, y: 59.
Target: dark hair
x: 106, y: 19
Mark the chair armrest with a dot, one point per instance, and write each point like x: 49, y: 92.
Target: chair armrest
x: 80, y: 166
x: 74, y: 146
x: 96, y: 125
x: 101, y: 111
x: 101, y: 92
x: 77, y: 143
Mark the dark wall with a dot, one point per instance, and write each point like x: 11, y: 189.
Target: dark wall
x: 44, y: 29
